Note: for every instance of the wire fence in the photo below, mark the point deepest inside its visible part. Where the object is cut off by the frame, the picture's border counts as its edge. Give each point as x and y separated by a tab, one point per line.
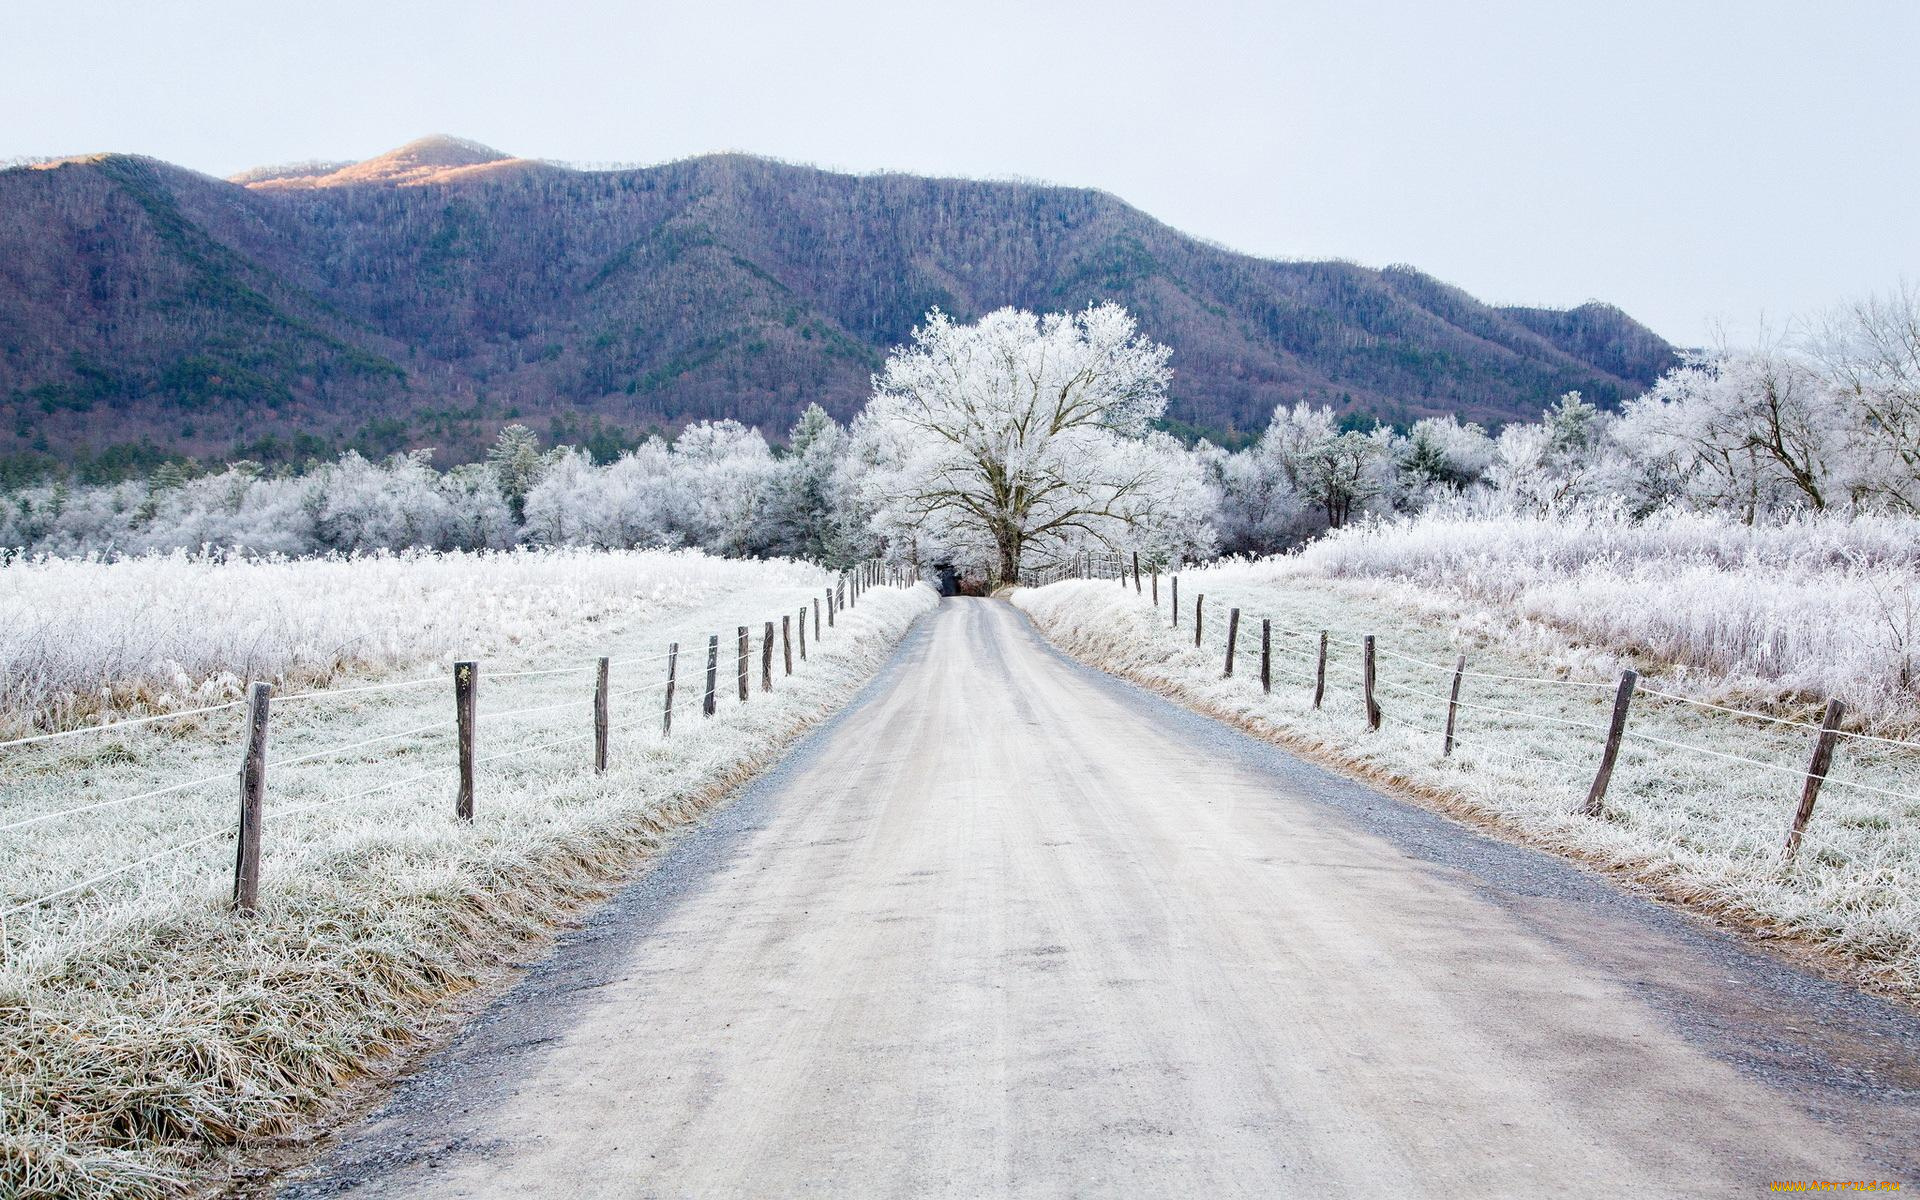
681	687
1595	714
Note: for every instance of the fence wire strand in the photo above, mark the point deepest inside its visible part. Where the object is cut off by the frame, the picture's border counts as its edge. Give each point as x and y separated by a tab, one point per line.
87	808
126	724
117	871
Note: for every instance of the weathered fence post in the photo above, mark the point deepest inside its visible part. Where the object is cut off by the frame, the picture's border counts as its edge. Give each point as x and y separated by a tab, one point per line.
816	618
1176	601
746	651
1156	588
1616	729
766	659
466	689
829	608
1136	572
1320	672
786	641
666	709
1816	775
713	673
1366	676
601	724
1233	636
1199	616
253	793
803	633
1266	655
1453	703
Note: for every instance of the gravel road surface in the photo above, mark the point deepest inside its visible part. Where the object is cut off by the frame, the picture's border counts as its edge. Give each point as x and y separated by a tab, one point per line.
1009	926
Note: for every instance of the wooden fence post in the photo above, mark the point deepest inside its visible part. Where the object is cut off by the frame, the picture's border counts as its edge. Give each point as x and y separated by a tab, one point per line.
1233	636
666	709
600	717
746	651
766	659
829	608
803	633
1816	775
1156	589
466	689
1136	572
1320	672
1176	601
786	641
253	793
1453	703
1266	655
1616	729
1199	616
1366	676
713	672
816	618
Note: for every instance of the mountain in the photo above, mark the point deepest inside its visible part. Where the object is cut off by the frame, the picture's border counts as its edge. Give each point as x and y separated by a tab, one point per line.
424	297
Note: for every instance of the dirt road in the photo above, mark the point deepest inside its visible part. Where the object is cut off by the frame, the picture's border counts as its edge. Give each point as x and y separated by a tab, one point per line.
1007	926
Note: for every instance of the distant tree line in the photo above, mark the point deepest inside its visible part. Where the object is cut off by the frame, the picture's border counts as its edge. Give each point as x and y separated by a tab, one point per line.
943	458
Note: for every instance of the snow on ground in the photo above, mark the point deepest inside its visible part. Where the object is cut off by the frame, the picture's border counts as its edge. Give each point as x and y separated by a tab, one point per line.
1698	826
141	1024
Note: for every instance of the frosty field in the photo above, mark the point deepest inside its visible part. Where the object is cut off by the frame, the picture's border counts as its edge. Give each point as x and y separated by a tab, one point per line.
145	1027
1700	801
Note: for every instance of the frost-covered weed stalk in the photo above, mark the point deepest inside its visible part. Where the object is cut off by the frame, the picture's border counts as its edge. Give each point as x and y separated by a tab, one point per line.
90	640
145	1033
1699	826
1785	614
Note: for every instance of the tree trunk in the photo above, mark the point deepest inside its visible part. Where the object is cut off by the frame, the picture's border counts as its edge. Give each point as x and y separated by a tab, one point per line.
1009	560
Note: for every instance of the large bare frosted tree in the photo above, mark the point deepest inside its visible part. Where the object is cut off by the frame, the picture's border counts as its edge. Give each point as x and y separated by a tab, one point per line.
1022	434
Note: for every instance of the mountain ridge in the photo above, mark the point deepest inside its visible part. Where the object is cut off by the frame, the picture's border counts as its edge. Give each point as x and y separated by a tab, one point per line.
427	295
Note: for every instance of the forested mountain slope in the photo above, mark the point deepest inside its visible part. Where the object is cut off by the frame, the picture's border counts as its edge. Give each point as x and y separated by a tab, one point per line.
423	297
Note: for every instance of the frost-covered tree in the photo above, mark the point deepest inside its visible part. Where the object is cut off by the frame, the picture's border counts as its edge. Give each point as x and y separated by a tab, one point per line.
1444	455
479	516
1870	352
1262	507
1568	457
1750	432
359	505
1340	473
803	491
518	464
722	471
1018	435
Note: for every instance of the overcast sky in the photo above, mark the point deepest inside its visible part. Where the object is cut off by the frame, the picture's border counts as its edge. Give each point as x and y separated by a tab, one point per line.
1696	163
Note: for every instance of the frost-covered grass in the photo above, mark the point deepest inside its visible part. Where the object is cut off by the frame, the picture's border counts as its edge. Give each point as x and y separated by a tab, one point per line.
88	640
1770	614
1699	827
147	1037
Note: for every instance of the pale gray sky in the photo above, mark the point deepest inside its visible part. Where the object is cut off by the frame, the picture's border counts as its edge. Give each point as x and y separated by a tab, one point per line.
1694	162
